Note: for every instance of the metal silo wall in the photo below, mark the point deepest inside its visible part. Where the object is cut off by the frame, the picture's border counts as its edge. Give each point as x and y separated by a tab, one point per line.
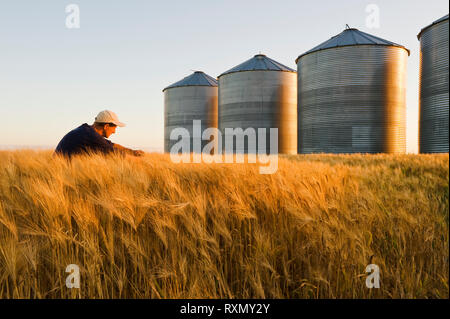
352	100
260	99
182	105
434	102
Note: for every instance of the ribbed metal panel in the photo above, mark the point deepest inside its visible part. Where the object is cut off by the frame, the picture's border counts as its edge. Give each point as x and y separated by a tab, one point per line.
434	100
182	105
352	99
260	99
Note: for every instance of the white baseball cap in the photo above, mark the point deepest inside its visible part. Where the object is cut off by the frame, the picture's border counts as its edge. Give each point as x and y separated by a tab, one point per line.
107	116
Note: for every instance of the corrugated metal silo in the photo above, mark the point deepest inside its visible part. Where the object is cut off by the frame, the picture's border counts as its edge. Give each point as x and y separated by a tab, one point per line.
433	100
192	98
260	93
352	95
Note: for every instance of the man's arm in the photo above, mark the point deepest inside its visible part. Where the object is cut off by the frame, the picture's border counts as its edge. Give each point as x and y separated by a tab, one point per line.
129	151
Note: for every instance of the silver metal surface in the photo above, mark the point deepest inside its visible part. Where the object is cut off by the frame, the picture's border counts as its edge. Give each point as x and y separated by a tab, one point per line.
434	100
432	24
350	37
259	62
260	99
198	78
183	104
352	99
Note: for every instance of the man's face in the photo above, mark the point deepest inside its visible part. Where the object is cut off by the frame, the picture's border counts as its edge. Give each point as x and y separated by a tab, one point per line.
109	129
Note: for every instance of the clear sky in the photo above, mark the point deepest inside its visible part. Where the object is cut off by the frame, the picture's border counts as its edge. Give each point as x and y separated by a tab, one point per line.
53	78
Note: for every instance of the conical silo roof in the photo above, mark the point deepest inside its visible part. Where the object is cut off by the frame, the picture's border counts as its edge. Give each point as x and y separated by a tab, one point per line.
435	22
259	62
198	78
349	37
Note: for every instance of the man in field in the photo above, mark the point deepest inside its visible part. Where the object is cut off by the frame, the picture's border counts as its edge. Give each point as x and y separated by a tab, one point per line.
93	138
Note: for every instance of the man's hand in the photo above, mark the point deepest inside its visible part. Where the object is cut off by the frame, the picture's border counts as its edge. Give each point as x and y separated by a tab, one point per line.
138	153
129	151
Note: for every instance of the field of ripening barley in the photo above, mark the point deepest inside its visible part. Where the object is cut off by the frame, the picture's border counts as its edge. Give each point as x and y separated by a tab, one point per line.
149	228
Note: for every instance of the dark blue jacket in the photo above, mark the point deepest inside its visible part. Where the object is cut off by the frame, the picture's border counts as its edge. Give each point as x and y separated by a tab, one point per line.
83	139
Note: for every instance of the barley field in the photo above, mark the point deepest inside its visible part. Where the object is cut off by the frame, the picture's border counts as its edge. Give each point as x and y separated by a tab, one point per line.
149	228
